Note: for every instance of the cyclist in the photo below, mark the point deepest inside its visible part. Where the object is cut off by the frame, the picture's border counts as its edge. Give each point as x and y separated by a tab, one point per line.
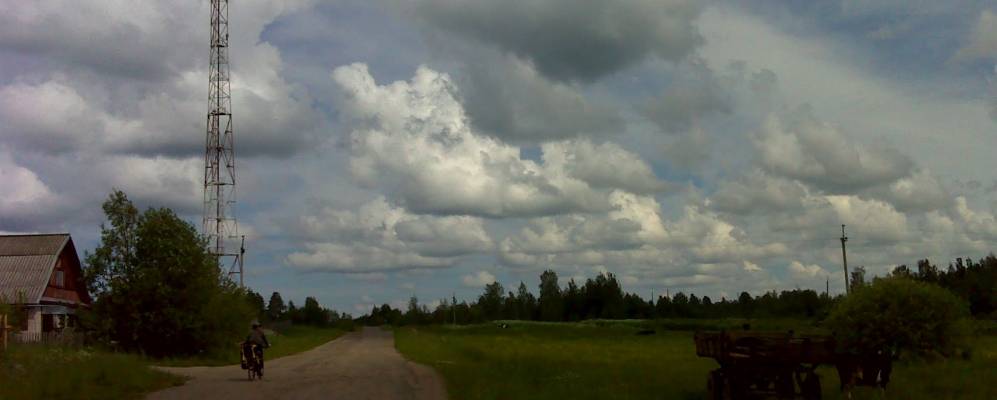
258	338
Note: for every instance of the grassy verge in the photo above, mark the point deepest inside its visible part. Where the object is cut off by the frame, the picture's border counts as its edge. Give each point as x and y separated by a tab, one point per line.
42	372
290	341
610	361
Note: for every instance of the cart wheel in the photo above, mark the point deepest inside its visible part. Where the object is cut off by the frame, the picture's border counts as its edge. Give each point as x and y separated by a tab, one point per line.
714	390
810	388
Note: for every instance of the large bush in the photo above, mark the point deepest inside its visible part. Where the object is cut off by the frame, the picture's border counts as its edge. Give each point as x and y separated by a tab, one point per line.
157	288
900	315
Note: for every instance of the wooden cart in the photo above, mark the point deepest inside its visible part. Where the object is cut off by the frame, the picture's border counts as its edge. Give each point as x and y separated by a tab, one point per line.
756	365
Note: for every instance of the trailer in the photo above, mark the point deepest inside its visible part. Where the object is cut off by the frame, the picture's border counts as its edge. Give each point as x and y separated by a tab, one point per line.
758	365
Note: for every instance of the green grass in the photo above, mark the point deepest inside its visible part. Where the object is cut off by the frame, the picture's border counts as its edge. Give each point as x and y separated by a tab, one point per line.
42	372
607	360
289	341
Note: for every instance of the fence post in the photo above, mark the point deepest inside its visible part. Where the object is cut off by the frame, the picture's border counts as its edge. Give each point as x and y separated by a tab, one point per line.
3	330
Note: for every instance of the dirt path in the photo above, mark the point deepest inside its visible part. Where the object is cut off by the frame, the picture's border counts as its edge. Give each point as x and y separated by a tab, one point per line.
359	365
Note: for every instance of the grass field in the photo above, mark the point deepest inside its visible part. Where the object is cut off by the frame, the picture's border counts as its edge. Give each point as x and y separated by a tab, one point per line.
608	360
289	341
51	372
41	372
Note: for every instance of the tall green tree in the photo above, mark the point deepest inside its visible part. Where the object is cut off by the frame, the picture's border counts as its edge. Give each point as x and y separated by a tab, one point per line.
313	313
551	301
157	288
276	307
115	258
491	301
526	302
256	303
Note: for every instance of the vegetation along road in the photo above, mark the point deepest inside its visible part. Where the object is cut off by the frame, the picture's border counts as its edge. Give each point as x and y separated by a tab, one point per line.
359	365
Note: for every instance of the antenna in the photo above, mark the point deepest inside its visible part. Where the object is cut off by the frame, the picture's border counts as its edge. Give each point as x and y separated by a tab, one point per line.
219	224
844	257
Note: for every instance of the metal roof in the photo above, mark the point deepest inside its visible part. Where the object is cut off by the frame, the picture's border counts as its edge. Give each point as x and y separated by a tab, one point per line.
26	263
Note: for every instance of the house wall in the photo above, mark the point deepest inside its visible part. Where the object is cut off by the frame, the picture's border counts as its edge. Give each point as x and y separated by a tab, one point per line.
71	286
34	320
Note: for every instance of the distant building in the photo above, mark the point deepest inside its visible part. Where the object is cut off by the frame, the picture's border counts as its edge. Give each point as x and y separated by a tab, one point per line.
42	277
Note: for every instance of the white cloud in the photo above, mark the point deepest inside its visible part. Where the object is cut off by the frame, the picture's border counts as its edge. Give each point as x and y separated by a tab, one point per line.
381	237
801	147
801	271
479	279
24	197
633	235
750	266
413	140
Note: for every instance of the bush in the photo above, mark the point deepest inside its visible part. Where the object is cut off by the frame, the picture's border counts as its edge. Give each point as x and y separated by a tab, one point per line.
899	315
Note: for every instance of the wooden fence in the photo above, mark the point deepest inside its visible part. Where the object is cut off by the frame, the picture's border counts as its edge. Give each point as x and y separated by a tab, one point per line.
64	338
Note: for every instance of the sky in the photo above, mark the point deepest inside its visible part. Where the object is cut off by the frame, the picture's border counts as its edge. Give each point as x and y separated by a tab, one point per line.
388	149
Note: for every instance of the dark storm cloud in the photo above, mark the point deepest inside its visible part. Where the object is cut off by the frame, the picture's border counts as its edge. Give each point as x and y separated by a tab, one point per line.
508	99
691	97
573	40
114	41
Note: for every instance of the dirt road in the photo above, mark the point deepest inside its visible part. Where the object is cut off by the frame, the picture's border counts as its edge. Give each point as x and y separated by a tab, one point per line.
359	365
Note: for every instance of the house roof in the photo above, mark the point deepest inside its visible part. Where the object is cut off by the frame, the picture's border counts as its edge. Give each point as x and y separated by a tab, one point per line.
26	263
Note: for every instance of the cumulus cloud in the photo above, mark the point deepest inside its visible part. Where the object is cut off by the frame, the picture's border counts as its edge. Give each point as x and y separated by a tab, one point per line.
507	98
692	96
77	100
382	237
634	234
52	117
801	147
603	166
569	40
479	279
758	192
982	41
413	140
25	197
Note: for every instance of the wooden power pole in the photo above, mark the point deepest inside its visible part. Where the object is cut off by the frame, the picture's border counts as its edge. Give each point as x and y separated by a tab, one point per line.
844	257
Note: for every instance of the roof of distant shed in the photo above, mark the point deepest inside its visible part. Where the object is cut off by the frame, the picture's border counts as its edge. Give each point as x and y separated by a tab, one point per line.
26	263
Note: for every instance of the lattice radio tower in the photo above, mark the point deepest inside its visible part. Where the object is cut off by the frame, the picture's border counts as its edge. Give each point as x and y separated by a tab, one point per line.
219	224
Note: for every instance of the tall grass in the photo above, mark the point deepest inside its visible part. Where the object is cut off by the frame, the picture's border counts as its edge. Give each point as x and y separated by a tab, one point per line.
601	360
48	372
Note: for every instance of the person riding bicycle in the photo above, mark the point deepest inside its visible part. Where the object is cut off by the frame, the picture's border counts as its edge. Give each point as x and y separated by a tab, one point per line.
258	338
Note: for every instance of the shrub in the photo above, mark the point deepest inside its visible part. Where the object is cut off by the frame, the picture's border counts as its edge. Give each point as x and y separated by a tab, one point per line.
898	315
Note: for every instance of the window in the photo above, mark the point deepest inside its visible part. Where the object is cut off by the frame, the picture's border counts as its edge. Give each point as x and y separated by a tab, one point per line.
60	279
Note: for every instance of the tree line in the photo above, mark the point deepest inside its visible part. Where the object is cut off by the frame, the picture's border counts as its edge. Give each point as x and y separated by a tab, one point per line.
312	313
602	297
973	282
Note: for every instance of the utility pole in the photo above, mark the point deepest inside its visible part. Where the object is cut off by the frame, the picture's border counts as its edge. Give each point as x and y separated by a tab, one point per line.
844	257
219	224
454	308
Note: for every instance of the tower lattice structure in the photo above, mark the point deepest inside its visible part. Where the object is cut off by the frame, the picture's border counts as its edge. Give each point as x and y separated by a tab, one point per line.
219	224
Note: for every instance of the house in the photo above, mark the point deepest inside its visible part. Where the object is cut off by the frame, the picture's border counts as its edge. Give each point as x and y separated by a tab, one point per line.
42	277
